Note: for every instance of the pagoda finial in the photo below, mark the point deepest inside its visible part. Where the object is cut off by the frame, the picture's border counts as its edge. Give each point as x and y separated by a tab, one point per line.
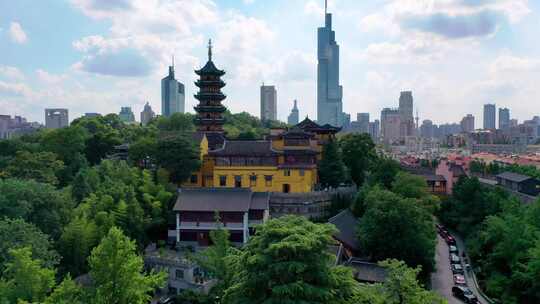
210	50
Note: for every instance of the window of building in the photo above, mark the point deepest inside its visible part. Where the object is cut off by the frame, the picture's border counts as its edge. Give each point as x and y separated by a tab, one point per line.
223	180
253	180
193	179
179	274
268	180
302	172
287	172
286	188
238	181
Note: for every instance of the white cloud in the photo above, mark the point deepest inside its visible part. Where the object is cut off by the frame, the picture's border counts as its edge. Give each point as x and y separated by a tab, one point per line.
11	73
49	78
14	89
17	34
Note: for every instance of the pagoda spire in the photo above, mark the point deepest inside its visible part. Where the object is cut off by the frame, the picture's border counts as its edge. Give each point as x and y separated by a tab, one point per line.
210	50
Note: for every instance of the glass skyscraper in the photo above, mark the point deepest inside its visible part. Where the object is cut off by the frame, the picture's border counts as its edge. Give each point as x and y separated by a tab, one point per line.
173	97
329	91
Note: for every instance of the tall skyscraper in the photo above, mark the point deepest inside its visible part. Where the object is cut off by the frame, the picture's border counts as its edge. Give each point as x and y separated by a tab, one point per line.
126	115
390	125
427	129
504	118
406	114
363	122
56	118
268	102
467	123
147	114
173	95
490	113
329	91
294	117
373	129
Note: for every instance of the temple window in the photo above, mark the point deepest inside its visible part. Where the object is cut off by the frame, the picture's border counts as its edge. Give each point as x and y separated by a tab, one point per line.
268	180
193	179
238	181
253	180
287	172
223	180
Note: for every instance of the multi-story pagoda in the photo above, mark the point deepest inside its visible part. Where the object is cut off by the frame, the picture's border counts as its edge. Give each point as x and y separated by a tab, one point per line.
210	110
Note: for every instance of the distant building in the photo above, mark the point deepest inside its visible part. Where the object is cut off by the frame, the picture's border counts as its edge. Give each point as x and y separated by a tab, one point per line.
390	125
268	103
426	129
490	116
363	122
173	95
467	123
504	118
374	130
91	115
294	117
126	115
5	121
329	91
56	118
147	114
406	114
514	122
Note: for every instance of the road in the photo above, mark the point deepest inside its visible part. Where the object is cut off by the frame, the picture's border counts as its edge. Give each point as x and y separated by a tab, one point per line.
442	281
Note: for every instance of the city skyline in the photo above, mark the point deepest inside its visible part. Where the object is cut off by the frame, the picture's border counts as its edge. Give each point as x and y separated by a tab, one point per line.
96	65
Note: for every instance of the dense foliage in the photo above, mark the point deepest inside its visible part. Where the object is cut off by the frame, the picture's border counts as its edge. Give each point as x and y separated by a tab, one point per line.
358	151
482	168
332	170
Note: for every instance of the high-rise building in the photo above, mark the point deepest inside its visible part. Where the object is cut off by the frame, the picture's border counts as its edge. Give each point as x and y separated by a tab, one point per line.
427	129
514	122
5	121
504	118
363	122
56	118
294	117
390	125
329	91
147	114
490	113
126	115
173	95
406	112
467	123
373	130
268	103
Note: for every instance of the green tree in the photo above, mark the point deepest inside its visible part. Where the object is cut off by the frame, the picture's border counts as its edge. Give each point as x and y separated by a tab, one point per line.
359	153
142	149
411	222
415	187
16	233
117	272
25	278
287	261
102	137
67	292
179	155
383	172
76	243
331	167
41	166
41	204
178	122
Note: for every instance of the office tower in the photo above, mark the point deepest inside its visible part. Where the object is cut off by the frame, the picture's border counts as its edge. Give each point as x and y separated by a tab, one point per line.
373	130
406	114
268	103
147	114
173	97
294	117
345	120
426	129
467	123
56	118
514	122
126	115
363	122
504	118
489	116
390	125
329	91
5	122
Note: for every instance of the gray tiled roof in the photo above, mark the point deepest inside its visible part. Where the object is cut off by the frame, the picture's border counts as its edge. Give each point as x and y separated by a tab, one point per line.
346	223
220	199
515	177
367	272
245	148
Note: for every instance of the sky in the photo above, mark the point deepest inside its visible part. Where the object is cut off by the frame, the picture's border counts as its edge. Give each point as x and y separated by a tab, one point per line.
99	55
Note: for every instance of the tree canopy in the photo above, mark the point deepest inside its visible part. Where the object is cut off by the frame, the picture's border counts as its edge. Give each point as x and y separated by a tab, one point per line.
331	169
359	154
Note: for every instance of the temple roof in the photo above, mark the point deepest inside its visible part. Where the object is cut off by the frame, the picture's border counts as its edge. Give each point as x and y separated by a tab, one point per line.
220	199
210	69
245	148
311	126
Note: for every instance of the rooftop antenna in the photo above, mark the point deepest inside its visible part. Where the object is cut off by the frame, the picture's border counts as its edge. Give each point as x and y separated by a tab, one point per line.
325	7
210	50
172	61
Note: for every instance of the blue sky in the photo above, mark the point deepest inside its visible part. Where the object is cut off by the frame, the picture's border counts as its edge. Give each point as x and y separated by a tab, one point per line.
99	55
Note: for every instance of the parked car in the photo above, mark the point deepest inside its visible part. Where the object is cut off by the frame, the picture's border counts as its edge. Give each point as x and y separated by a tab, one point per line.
465	294
455	259
166	300
450	240
457	269
459	279
453	249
